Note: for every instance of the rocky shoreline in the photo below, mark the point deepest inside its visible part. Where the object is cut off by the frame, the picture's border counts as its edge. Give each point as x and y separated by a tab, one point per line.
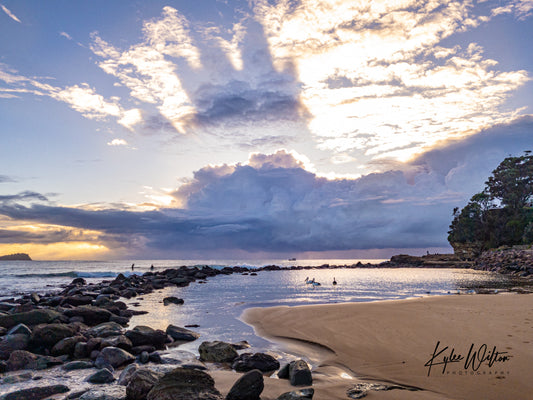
84	328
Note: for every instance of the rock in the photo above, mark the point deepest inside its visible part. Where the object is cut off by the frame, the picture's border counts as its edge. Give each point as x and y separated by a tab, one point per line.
101	376
139	349
35	393
80	350
21	359
300	374
217	352
74	365
126	374
141	382
91	315
144	357
304	394
248	387
46	336
77	300
66	346
119	341
20	329
283	373
248	361
243	344
13	342
10	379
30	318
116	357
155	357
181	334
3	366
78	282
144	335
185	384
172	300
105	329
109	393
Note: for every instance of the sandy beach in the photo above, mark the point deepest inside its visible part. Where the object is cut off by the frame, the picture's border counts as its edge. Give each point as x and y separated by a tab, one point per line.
486	339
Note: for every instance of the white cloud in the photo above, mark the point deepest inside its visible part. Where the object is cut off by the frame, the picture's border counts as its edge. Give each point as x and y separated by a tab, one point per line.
10	14
117	142
377	70
65	35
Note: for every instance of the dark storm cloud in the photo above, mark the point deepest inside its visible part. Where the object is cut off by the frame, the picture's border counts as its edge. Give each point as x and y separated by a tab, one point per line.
274	204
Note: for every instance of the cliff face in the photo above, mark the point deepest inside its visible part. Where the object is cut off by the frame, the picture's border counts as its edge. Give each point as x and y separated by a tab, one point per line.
16	257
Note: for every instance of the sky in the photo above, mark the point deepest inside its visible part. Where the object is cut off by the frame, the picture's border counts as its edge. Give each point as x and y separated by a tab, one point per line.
254	128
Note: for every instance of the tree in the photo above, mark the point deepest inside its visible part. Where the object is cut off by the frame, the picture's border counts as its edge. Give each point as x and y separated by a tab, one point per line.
502	213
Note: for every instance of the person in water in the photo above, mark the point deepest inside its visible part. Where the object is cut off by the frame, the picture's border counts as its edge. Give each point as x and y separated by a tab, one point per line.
132	266
334	281
152	267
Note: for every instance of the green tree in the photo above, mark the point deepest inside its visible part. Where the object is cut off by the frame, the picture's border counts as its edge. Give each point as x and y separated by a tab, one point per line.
502	213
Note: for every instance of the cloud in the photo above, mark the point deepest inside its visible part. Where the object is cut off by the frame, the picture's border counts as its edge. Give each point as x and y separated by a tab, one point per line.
65	35
202	78
5	178
81	98
10	14
380	72
275	203
23	196
117	142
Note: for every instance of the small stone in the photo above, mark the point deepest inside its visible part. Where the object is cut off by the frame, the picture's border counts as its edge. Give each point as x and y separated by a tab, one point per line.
217	352
181	334
172	300
77	365
35	393
304	394
101	376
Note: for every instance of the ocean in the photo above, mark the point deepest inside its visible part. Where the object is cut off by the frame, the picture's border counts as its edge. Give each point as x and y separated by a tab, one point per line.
217	305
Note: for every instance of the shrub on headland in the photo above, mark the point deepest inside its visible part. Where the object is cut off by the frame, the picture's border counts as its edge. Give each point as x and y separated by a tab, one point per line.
500	215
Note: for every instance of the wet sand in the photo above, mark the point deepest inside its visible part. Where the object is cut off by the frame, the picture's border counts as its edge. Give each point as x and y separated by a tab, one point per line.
394	341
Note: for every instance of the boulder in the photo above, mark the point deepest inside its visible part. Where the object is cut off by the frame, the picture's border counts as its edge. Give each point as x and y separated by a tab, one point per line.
78	300
35	393
181	334
172	300
48	335
248	387
304	394
91	315
30	318
74	365
185	384
105	329
66	346
13	342
116	357
248	361
217	352
144	335
126	374
300	374
20	329
101	376
119	341
109	393
141	382
21	359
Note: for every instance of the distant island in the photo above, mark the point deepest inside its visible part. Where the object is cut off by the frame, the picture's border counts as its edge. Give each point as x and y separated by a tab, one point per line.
16	257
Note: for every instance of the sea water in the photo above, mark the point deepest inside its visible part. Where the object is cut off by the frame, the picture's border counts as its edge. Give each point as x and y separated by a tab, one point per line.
215	307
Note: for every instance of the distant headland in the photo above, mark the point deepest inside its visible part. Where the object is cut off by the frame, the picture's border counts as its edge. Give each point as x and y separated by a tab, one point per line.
16	257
